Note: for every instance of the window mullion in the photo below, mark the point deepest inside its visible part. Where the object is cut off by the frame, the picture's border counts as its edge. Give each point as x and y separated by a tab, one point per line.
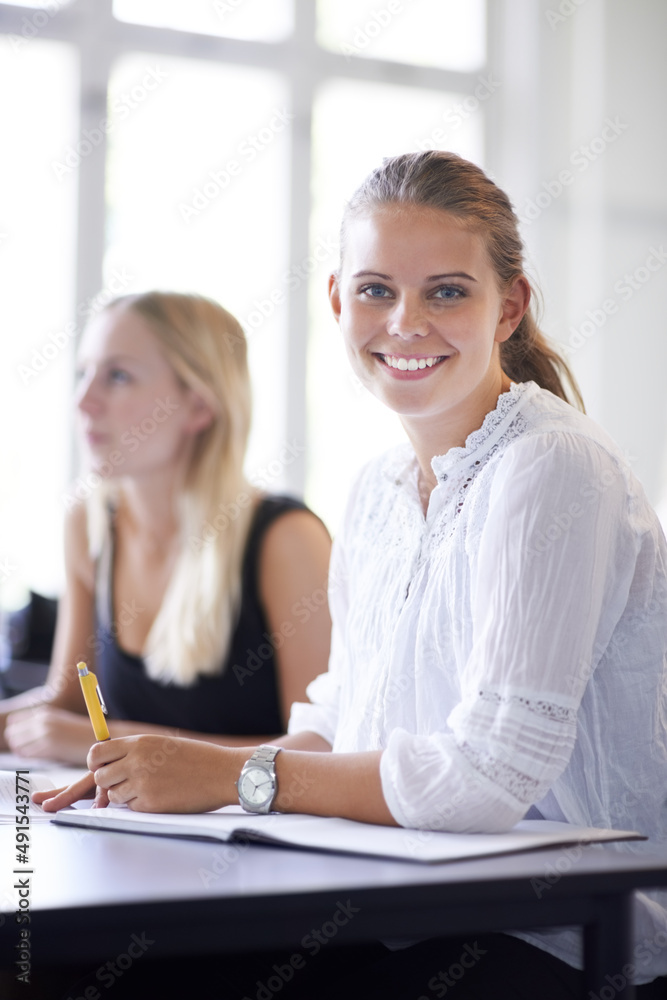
96	59
303	80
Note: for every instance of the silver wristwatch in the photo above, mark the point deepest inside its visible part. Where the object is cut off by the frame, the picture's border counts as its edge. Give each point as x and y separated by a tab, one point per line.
257	785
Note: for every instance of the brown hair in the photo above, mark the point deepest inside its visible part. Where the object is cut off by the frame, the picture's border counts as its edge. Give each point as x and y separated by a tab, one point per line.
445	181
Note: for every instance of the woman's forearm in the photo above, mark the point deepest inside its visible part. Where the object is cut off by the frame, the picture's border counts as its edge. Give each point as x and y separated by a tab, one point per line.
322	784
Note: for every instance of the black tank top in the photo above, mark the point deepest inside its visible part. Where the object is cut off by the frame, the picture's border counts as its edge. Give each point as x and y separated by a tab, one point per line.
237	701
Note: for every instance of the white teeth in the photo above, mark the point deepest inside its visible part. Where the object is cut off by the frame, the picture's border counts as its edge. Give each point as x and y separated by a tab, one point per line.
409	364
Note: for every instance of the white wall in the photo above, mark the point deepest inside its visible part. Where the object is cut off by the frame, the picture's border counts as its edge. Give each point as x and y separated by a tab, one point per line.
567	69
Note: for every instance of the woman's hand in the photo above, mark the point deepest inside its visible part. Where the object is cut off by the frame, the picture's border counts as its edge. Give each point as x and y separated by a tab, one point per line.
51	733
53	799
166	774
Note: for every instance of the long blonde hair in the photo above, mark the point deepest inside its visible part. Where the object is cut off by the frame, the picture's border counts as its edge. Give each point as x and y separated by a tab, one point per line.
206	347
446	181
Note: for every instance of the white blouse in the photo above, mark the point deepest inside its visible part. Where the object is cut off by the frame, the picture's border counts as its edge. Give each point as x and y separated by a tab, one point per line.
509	649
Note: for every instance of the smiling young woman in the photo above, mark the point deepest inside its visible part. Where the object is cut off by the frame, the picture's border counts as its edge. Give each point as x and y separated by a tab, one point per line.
499	590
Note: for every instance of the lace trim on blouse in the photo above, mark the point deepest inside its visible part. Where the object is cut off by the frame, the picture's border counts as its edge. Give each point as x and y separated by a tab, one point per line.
520	786
492	423
547	709
400	462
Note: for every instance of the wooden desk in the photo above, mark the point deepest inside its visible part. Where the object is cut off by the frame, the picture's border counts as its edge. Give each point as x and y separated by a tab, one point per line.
91	890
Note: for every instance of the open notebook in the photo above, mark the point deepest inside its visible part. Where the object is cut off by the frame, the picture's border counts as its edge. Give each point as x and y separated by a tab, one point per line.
340	835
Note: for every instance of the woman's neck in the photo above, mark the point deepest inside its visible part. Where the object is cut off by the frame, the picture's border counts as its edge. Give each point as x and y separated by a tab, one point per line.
147	510
431	437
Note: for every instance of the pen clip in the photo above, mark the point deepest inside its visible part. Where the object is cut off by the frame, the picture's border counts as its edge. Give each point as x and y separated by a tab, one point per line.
102	705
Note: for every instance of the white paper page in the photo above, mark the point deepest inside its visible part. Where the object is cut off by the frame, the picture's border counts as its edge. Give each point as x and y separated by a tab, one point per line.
37	782
8	792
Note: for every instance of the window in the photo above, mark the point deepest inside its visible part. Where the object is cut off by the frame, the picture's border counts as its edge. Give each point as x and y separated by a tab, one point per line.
191	179
38	119
206	147
449	34
261	20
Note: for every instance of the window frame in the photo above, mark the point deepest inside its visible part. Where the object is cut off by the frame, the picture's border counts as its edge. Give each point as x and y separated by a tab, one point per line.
99	38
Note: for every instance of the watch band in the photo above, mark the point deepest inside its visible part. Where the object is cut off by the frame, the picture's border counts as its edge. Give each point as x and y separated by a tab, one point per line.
264	754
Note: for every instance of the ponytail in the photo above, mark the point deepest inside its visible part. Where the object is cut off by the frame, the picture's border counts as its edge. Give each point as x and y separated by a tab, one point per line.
528	357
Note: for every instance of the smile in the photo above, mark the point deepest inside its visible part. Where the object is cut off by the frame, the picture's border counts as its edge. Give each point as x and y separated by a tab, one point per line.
410	364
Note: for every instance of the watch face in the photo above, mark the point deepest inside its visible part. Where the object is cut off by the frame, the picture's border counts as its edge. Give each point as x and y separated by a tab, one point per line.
256	786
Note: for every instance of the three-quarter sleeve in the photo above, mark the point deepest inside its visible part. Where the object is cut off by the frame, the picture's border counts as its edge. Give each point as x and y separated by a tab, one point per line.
550	575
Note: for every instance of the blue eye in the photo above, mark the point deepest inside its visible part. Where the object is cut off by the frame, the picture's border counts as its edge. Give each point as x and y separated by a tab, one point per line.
375	291
119	376
448	292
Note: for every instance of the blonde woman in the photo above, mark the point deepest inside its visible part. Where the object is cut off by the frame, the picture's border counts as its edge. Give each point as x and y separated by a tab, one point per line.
187	589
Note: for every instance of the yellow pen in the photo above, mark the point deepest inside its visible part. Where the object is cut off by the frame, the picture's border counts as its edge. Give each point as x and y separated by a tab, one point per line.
94	702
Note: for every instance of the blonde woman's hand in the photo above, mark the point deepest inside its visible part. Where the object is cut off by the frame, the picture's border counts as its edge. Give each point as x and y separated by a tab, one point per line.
51	733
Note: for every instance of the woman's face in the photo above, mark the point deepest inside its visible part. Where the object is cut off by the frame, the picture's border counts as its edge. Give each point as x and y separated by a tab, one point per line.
135	415
421	313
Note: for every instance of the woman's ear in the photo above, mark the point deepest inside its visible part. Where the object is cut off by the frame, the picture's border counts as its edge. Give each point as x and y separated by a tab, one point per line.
334	296
514	306
201	414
